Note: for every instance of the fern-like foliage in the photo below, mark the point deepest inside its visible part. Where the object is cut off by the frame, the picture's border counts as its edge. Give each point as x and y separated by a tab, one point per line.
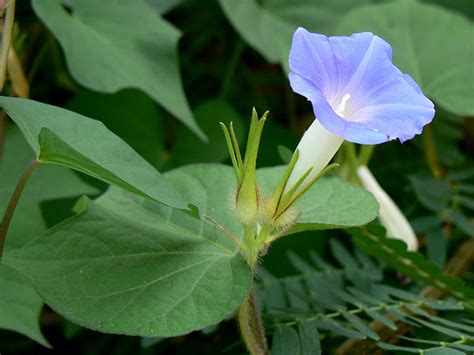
345	300
372	240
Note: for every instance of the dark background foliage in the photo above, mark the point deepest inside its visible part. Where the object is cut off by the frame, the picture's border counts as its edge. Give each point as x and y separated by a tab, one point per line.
223	78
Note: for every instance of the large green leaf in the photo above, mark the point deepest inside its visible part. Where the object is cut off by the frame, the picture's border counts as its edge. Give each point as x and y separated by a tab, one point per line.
415	31
65	138
131	266
112	45
268	27
20	305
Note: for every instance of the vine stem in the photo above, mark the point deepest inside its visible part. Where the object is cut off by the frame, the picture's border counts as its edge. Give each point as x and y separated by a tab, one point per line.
251	326
7	217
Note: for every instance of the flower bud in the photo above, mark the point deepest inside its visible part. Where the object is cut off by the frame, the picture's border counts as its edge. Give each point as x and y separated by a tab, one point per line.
390	215
247	198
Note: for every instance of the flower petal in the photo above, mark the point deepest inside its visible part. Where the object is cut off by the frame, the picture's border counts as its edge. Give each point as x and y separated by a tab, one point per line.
311	57
355	89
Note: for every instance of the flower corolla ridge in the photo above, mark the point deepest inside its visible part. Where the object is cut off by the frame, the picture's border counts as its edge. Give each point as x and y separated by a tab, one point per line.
356	91
357	95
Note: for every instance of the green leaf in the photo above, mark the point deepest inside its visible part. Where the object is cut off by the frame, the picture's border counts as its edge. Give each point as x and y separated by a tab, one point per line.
285	341
107	51
372	240
433	194
269	27
128	265
130	114
443	351
331	299
444	198
189	149
285	154
446	75
65	138
309	338
331	203
20	305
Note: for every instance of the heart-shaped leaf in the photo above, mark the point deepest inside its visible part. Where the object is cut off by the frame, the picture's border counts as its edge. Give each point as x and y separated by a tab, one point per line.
128	265
106	51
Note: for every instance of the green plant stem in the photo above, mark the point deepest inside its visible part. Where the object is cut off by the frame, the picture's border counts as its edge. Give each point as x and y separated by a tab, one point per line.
351	160
430	152
251	326
7	217
365	154
233	62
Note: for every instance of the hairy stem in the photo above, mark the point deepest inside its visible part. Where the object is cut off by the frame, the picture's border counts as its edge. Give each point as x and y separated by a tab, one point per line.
7	217
251	326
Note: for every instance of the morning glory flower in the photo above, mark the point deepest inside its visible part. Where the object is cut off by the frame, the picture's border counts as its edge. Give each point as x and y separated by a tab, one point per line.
357	95
390	216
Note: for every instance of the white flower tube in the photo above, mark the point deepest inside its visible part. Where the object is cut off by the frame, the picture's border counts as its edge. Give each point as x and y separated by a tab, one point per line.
316	148
390	215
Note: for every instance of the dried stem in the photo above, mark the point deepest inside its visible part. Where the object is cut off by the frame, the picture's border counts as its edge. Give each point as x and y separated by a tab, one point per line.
6	40
20	85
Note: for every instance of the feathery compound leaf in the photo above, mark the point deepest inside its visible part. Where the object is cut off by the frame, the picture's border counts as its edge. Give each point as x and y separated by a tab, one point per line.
372	240
325	298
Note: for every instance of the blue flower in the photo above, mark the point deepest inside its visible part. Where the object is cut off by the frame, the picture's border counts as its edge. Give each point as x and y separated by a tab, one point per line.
356	91
357	95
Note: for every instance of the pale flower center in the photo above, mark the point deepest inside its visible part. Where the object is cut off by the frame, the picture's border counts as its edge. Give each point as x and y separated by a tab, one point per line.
342	105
